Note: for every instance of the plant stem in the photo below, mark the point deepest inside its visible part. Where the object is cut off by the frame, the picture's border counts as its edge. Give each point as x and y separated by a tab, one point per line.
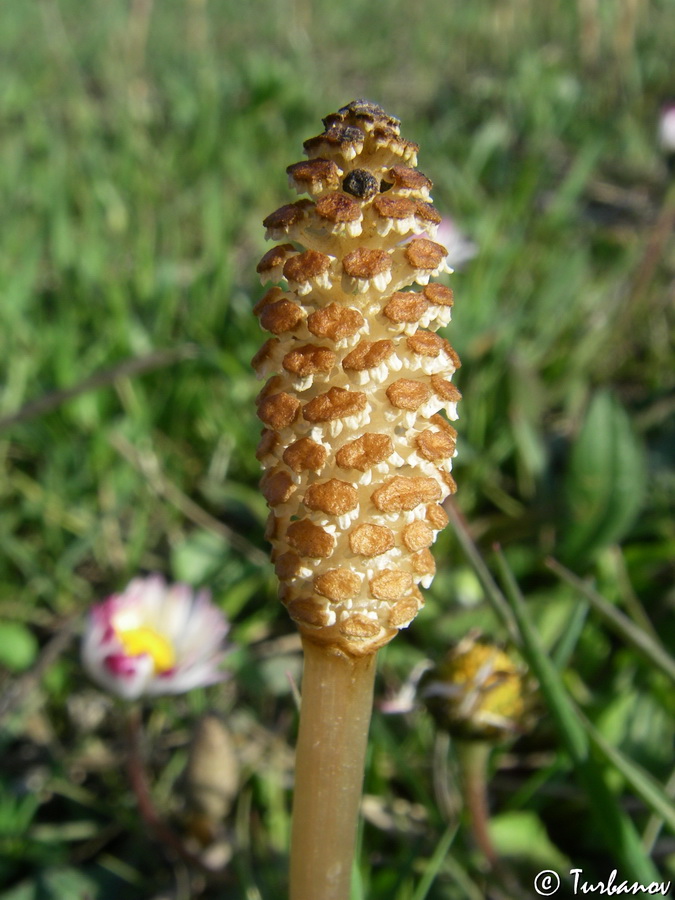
141	789
473	758
337	699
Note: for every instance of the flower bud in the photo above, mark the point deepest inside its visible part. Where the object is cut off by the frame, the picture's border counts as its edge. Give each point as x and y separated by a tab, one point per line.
357	457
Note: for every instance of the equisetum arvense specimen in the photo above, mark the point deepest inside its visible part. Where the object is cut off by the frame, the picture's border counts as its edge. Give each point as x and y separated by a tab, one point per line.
356	453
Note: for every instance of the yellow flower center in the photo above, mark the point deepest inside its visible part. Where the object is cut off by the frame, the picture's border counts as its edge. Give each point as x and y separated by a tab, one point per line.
141	640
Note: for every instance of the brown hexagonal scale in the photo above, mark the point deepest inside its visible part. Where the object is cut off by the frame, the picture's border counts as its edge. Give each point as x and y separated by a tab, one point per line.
405	492
310	539
315	174
367	355
438	294
422	253
271	386
271	527
403	612
287	565
307	265
365	264
364	452
425	212
337	403
438	420
417	535
371	540
426	343
405	178
289	215
437	516
334	497
335	322
444	389
394	207
454	358
337	584
449	481
264	354
386	138
309	360
391	584
277	486
275	257
305	454
405	306
268	443
405	393
339	137
271	296
279	410
433	445
423	562
338	207
281	317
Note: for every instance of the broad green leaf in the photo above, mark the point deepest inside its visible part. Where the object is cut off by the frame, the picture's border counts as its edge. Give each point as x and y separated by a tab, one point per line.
522	834
605	481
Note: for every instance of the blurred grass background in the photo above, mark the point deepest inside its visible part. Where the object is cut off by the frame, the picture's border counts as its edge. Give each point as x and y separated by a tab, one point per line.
142	144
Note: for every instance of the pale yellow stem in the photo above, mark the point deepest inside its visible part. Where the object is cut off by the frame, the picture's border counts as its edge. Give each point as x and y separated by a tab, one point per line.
337	700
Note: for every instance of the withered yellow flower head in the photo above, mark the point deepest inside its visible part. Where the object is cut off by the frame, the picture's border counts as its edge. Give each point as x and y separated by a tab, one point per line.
357	457
478	692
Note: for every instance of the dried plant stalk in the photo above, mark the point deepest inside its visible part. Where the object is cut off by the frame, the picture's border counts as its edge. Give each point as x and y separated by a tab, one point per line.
357	456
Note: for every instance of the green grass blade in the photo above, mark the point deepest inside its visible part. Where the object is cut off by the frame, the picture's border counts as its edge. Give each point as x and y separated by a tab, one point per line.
643	784
435	863
492	592
570	636
652	650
